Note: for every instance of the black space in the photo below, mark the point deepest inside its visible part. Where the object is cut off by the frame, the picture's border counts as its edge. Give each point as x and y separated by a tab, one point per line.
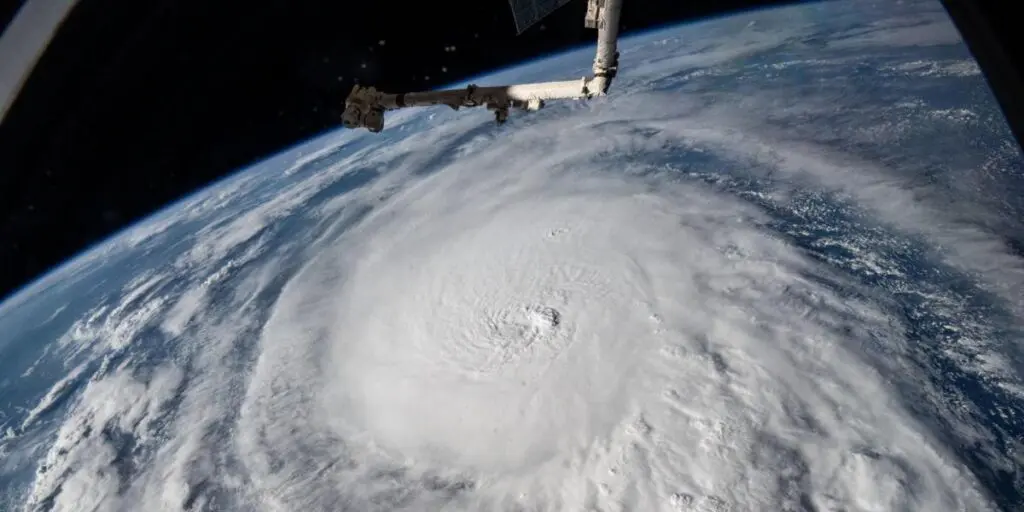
138	103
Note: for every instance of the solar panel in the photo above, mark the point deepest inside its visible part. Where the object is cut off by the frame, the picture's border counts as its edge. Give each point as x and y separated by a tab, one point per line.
528	12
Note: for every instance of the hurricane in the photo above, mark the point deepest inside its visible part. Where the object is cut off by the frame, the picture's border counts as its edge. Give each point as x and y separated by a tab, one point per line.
729	286
576	334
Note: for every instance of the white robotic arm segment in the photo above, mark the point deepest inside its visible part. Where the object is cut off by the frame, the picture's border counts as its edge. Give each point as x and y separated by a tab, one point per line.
606	61
365	106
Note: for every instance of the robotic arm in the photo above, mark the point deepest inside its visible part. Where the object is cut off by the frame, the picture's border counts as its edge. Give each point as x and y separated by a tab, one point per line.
365	106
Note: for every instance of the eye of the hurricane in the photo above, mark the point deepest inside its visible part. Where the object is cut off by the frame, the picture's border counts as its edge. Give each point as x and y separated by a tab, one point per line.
517	334
520	332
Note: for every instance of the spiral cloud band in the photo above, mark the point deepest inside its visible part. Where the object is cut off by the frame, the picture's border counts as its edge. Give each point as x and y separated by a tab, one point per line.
570	336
